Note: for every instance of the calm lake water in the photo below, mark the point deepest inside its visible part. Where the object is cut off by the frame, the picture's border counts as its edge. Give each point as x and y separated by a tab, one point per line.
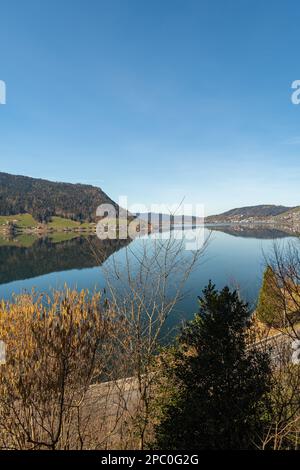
234	257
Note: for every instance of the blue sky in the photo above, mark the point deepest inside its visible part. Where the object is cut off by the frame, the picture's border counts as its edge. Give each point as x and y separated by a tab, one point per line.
157	100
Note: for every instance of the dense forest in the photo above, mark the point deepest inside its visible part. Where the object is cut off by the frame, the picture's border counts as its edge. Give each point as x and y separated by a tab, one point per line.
44	199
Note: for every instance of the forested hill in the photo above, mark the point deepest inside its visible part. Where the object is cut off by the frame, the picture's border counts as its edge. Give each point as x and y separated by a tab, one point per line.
261	211
43	199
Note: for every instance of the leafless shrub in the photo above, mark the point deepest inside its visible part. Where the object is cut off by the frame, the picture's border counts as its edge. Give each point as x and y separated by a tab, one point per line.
143	289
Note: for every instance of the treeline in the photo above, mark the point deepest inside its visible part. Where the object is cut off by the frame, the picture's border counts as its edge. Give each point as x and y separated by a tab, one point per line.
44	199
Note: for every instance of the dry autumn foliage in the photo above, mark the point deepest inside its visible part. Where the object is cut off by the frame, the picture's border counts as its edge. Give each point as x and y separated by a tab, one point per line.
56	349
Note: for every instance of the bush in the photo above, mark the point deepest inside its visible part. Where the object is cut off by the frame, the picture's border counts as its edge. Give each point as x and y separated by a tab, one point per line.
218	381
270	307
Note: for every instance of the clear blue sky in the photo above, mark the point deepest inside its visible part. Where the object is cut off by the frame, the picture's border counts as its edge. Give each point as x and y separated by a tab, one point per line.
154	99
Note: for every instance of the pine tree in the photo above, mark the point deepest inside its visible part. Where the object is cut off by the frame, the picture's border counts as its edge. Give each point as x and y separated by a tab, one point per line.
220	383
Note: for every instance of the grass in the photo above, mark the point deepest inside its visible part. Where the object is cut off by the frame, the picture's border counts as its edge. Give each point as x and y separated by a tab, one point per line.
61	223
26	221
87	226
58	237
59	229
24	240
58	224
21	220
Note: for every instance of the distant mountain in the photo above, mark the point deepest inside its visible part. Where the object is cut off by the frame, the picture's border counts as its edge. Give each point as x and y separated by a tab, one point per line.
163	219
258	213
249	212
43	199
292	215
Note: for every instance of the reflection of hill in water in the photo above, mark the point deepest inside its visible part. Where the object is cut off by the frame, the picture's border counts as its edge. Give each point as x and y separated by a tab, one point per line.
262	232
44	257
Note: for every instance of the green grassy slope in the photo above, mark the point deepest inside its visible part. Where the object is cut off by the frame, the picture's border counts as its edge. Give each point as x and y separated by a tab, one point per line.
26	221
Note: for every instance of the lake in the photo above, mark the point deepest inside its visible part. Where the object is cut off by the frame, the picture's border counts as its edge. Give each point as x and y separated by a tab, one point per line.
234	257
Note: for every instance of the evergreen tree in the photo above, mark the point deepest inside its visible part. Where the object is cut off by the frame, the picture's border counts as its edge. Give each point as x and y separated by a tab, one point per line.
268	307
220	382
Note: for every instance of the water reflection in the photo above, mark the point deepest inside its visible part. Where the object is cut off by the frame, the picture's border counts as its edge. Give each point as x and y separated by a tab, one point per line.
29	257
234	257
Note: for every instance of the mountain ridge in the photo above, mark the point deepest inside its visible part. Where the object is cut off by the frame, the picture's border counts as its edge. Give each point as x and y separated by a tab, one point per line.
269	212
43	198
251	212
